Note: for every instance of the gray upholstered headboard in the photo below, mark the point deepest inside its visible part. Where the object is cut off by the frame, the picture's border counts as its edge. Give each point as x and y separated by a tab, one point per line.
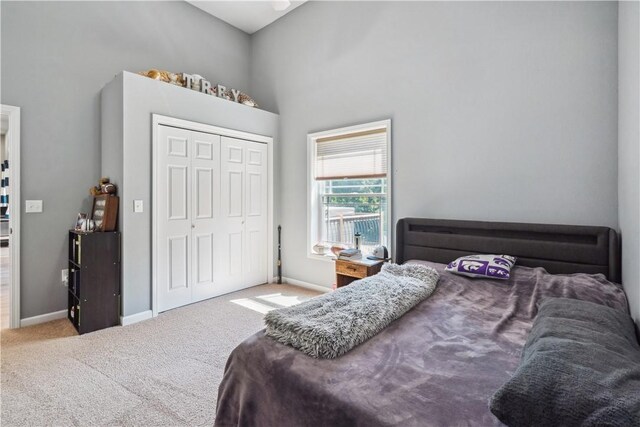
560	249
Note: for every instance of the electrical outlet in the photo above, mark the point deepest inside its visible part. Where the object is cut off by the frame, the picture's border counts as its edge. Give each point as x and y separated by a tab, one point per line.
138	206
65	277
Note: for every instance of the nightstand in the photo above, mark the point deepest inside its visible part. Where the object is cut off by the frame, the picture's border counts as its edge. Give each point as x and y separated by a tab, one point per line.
348	271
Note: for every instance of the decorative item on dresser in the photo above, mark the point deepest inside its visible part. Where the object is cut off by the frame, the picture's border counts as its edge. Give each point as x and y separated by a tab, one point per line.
105	212
94	280
349	271
82	217
105	186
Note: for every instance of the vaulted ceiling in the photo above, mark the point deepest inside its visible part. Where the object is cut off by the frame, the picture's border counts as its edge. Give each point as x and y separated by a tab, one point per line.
248	16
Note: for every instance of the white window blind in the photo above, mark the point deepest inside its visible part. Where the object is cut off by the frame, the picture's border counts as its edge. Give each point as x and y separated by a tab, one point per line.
353	155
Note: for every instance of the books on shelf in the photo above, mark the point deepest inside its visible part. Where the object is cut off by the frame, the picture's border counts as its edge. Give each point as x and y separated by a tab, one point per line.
350	254
351	258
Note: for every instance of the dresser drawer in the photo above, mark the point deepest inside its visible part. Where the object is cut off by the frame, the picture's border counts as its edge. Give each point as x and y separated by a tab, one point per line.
351	269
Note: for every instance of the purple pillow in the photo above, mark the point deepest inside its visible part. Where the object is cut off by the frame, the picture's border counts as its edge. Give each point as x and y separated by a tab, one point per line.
487	266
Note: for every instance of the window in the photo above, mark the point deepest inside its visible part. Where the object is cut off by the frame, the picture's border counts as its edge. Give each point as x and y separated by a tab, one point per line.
349	187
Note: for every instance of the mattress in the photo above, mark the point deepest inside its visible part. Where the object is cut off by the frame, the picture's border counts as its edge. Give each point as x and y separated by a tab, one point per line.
437	365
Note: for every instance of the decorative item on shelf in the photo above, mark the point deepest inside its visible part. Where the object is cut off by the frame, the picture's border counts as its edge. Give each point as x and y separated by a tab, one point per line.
245	99
82	217
108	188
337	248
350	254
200	84
103	187
87	225
164	76
105	212
319	249
234	95
380	253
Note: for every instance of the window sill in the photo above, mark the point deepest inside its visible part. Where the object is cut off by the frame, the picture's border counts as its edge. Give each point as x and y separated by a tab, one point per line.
325	258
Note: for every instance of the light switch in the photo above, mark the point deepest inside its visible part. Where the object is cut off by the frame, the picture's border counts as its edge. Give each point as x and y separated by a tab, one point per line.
33	206
138	207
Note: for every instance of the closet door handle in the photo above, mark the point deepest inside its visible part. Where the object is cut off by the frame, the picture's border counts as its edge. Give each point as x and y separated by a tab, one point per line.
193	226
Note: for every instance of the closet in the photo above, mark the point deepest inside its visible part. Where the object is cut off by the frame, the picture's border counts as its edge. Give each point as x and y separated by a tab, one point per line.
221	182
211	215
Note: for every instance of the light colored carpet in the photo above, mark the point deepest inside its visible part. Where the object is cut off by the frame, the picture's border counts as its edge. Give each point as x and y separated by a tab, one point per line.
161	372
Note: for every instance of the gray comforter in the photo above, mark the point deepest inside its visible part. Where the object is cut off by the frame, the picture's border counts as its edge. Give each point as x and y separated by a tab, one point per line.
437	365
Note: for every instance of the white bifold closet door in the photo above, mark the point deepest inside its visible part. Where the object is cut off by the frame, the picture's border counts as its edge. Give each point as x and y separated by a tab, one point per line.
212	216
243	216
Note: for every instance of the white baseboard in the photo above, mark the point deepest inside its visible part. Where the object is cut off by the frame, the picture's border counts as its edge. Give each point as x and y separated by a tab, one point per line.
135	318
307	285
43	318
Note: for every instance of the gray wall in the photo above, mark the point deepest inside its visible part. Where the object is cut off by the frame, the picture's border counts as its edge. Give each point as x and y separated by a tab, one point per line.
500	110
629	149
56	56
516	99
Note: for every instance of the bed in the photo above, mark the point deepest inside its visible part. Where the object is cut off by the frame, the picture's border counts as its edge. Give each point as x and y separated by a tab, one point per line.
440	363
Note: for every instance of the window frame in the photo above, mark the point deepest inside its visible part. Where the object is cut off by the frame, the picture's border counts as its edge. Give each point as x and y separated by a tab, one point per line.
313	199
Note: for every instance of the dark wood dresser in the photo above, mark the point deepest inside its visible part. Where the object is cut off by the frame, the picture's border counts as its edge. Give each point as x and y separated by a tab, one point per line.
94	280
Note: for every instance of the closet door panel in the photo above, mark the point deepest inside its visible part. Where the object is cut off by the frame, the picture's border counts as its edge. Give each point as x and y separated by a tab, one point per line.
178	263
236	256
232	213
205	170
174	217
212	212
177	192
203	192
256	214
203	260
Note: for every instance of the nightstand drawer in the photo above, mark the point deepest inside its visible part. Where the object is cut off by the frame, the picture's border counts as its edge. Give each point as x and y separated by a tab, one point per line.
351	269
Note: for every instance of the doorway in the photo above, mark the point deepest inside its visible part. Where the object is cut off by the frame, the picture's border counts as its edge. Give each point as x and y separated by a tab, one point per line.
9	216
